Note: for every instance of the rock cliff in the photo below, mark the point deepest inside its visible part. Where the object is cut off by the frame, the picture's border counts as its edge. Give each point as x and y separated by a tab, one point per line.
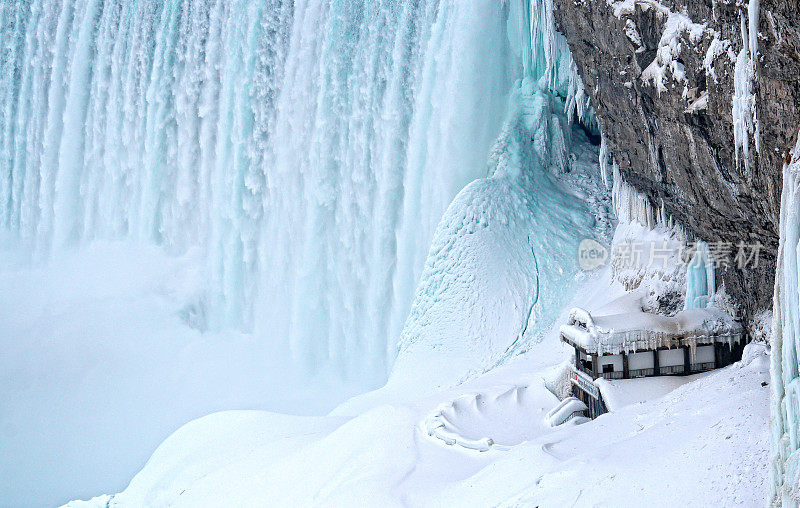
663	78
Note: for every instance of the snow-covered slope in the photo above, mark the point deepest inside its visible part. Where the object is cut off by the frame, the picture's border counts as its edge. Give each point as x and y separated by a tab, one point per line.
707	438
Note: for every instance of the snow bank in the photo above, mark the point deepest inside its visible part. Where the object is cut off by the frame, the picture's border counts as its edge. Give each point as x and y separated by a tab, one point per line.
619	393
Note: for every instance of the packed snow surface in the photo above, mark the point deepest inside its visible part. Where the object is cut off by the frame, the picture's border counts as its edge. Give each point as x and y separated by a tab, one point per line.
618	393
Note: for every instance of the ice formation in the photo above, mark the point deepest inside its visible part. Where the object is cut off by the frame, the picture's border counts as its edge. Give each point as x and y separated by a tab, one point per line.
785	409
632	206
745	119
547	59
700	278
503	259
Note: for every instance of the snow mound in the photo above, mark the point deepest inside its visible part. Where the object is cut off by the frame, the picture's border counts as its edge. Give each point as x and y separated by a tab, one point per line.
255	458
755	354
496	419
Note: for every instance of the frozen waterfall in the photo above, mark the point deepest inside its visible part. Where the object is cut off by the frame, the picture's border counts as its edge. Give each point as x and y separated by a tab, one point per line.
308	149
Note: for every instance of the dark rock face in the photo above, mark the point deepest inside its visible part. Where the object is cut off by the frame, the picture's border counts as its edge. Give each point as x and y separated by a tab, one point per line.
681	156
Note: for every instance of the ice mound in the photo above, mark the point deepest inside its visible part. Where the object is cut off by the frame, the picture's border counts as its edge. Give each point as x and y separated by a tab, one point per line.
503	260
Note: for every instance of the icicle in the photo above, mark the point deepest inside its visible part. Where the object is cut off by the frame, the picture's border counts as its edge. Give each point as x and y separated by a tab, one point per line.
745	118
605	162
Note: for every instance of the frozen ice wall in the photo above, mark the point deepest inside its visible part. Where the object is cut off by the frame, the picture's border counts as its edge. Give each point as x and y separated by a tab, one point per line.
785	411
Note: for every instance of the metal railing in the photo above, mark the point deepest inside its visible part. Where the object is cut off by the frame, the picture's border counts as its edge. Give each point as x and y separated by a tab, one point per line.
671	369
611	375
641	372
702	367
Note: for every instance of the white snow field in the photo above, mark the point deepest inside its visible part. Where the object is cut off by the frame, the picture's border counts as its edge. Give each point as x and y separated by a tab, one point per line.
705	443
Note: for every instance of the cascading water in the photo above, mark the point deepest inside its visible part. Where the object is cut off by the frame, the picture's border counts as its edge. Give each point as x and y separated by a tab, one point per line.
309	148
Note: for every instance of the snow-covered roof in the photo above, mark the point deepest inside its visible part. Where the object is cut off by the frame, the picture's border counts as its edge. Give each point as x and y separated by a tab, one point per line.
635	330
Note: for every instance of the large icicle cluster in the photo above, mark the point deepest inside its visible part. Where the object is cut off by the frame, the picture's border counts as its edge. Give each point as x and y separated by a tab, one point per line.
547	59
785	371
634	330
633	206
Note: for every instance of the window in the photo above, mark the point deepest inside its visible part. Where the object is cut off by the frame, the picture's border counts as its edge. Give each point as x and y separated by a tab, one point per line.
608	368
